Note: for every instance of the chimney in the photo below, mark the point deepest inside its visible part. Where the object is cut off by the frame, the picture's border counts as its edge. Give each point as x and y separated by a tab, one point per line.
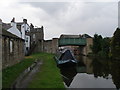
42	27
13	22
25	21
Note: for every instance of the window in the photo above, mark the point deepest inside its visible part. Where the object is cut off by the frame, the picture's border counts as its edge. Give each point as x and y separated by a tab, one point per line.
26	39
34	36
11	46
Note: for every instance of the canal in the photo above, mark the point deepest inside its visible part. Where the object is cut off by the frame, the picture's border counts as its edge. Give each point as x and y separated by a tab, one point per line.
92	73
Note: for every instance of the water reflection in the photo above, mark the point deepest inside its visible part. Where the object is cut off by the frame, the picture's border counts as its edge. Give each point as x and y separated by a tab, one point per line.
115	72
93	73
68	74
83	80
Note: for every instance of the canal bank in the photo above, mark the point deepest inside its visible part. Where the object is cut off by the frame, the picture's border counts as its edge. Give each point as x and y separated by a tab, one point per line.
48	75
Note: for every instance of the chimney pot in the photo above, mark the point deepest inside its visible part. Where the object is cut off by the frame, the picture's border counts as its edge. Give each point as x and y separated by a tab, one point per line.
25	21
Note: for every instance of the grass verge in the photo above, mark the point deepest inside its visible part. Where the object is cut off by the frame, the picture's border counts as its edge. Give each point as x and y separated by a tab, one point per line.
10	74
49	75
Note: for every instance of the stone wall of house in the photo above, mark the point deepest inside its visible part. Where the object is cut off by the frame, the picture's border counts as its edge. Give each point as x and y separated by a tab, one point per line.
11	57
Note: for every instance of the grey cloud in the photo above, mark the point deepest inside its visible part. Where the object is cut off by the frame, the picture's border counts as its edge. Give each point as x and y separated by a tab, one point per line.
49	7
78	18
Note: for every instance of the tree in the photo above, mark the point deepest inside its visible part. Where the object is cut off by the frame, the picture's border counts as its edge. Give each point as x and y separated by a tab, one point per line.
105	45
115	44
97	43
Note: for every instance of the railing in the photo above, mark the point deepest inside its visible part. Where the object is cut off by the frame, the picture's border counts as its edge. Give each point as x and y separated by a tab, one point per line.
72	41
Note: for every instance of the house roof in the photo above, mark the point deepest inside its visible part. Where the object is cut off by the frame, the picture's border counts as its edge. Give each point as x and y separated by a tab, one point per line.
8	34
6	26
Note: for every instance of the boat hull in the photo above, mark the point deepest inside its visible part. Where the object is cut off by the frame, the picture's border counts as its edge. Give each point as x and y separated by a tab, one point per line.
67	64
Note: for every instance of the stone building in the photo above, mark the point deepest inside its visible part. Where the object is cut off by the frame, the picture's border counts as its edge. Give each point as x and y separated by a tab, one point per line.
36	39
12	48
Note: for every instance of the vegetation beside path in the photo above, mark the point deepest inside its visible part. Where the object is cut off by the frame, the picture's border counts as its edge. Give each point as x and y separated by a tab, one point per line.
48	77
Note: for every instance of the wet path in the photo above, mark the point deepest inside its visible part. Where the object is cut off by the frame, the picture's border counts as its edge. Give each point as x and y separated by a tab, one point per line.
27	76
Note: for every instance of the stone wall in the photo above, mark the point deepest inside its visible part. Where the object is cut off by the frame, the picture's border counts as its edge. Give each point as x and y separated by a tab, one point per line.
11	57
89	44
51	46
39	47
87	48
48	46
12	49
54	45
0	44
36	39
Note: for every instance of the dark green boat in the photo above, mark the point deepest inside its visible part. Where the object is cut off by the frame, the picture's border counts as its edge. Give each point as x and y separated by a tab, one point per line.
66	59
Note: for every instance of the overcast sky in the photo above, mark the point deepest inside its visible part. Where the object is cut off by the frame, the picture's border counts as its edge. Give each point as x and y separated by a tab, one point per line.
65	17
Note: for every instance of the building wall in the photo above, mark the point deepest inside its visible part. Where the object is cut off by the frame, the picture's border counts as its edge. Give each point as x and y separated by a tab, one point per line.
89	43
25	29
87	48
11	57
51	46
0	44
12	48
54	45
37	39
48	46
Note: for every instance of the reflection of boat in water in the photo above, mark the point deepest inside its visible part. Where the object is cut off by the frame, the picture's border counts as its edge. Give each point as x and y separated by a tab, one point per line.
68	75
66	59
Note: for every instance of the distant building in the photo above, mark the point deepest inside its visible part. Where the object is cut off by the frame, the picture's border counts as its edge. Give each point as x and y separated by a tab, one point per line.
36	39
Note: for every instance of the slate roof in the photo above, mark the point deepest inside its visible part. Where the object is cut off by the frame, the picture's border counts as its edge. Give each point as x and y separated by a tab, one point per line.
6	26
8	34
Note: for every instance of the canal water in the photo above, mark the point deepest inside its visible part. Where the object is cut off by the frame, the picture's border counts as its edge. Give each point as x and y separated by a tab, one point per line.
92	73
